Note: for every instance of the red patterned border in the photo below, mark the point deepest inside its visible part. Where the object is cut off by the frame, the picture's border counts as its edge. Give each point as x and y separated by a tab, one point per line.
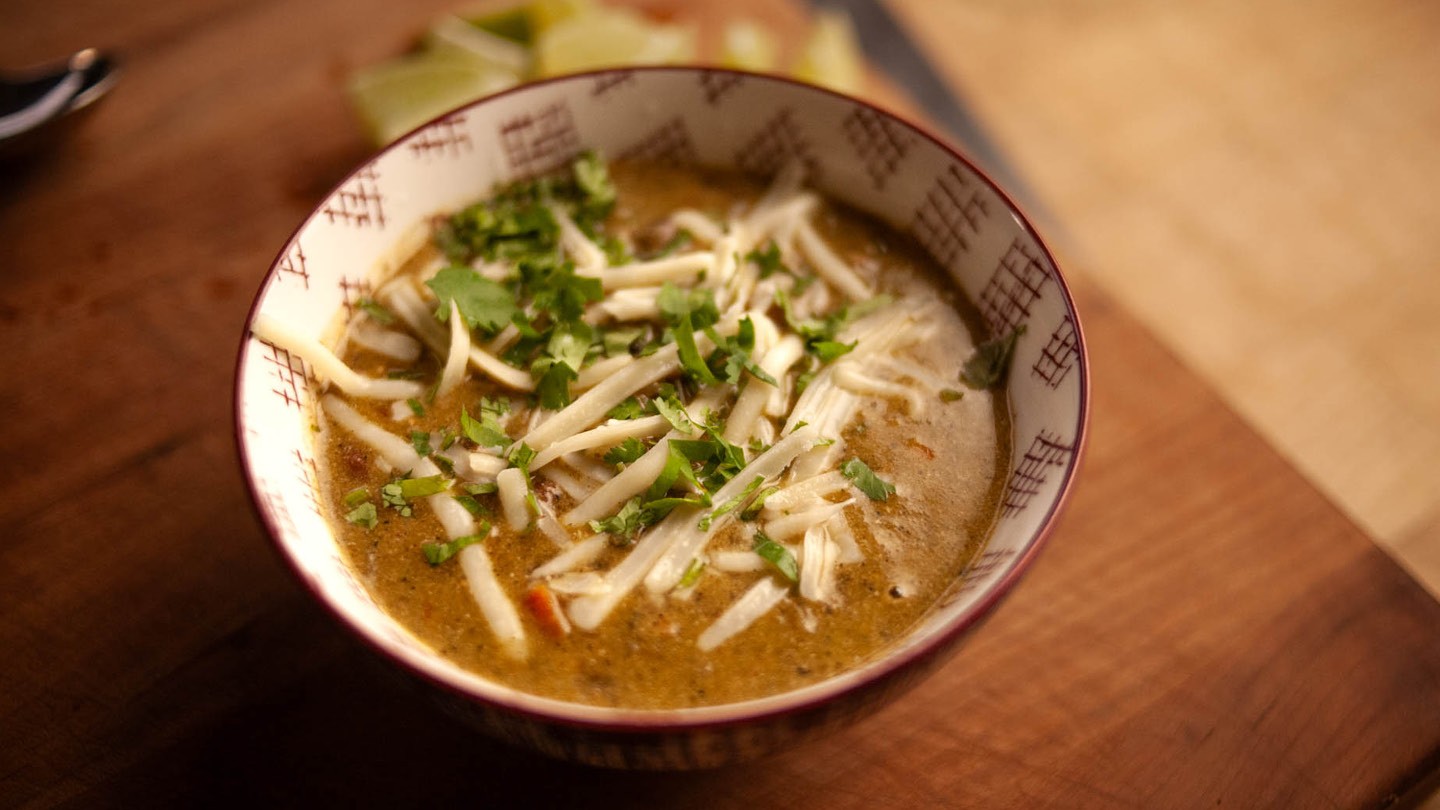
612	80
310	477
358	203
717	85
1046	450
292	265
290	374
537	142
351	291
669	143
986	563
445	138
774	145
1014	287
1059	354
881	142
950	216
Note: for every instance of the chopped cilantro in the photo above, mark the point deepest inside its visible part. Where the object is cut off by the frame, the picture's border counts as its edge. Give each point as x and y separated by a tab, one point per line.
680	239
363	515
677	468
828	350
866	480
436	553
597	193
411	488
471	505
819	333
778	556
692	573
445	464
615	342
483	303
736	353
374	310
483	488
394	498
623	525
950	394
520	458
415	406
768	260
629	409
626	452
686	311
730	505
486	432
988	366
564	355
673	410
753	510
420	440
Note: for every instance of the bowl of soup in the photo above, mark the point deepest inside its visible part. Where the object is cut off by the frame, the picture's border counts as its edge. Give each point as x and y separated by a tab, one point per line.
656	418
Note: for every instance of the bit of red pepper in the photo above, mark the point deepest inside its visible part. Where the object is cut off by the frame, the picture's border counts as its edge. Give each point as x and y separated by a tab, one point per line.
542	603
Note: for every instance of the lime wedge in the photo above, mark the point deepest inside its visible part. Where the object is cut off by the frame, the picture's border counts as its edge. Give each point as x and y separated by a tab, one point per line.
546	13
511	23
395	96
831	56
748	46
606	37
453	38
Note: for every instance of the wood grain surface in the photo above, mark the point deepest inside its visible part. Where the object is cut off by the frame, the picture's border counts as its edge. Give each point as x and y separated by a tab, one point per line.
1206	628
1255	181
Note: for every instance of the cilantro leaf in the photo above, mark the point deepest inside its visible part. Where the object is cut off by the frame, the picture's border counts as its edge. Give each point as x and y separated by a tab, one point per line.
697	303
866	480
828	350
420	440
626	452
753	510
520	458
730	505
692	573
436	553
485	432
680	239
767	260
471	505
374	310
736	353
411	488
677	468
597	193
778	556
363	515
988	366
671	408
623	525
629	409
483	303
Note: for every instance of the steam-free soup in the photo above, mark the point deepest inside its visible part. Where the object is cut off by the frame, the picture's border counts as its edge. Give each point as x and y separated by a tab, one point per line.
657	437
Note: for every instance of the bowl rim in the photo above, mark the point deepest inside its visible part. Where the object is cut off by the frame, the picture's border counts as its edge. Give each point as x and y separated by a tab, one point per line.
754	711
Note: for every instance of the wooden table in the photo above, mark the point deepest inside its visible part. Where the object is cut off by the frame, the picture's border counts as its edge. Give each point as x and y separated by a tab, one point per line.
1205	629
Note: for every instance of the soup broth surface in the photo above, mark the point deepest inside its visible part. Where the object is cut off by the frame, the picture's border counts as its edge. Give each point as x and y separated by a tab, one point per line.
946	460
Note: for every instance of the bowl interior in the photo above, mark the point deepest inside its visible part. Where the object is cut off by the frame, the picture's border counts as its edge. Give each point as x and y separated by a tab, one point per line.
852	151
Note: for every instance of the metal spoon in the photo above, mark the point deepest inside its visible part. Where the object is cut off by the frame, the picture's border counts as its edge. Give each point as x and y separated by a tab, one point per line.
33	102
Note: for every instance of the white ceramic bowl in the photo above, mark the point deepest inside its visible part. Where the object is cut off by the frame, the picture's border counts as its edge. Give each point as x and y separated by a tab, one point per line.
854	152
